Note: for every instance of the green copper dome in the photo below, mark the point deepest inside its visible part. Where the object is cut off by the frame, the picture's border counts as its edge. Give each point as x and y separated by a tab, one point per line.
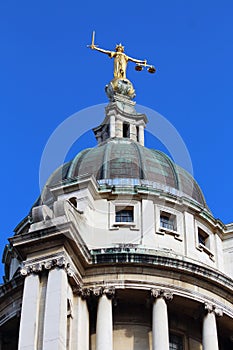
125	162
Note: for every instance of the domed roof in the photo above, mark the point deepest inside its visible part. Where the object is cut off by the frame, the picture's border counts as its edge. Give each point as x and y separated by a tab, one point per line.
126	162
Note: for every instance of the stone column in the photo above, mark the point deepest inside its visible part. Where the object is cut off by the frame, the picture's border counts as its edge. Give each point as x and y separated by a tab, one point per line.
80	332
119	128
133	132
141	134
112	130
160	331
28	331
104	324
55	320
209	328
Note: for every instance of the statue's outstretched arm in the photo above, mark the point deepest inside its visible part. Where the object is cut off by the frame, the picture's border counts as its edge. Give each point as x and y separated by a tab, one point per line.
107	52
137	61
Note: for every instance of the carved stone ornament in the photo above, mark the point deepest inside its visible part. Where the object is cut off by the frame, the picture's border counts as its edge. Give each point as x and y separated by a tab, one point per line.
109	292
48	265
84	293
161	293
76	289
37	267
213	308
97	291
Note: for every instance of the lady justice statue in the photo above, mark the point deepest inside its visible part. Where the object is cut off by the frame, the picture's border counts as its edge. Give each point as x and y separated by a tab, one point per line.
120	84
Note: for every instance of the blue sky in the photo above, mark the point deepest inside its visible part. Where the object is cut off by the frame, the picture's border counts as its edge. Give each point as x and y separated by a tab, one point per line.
47	74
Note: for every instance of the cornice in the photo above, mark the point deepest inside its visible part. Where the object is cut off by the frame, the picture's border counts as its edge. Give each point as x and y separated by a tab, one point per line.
185	266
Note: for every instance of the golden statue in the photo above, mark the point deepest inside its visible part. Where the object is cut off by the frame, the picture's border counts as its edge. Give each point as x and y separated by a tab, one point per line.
120	66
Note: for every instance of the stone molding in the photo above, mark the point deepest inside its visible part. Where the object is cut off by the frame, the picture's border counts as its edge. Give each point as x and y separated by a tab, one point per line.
162	293
213	308
161	259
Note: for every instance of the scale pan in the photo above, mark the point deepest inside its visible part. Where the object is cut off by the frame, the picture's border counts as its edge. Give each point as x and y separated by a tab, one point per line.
151	69
138	68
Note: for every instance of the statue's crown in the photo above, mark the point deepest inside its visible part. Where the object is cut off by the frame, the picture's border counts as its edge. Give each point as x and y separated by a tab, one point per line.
119	46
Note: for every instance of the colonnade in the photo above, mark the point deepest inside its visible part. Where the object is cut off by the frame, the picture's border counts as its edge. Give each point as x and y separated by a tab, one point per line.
54	333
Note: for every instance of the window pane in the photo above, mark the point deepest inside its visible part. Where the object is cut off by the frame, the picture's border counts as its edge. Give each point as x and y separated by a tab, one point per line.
202	237
176	342
167	222
125	215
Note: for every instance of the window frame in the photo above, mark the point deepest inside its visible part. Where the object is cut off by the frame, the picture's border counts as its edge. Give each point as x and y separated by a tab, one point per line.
123	210
170	224
124	204
178	231
203	233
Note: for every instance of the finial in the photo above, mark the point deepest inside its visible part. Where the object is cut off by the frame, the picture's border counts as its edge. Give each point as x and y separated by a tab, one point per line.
120	83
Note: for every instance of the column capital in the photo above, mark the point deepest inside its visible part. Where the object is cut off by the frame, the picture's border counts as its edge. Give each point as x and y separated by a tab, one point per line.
108	291
97	291
48	264
161	293
213	308
84	293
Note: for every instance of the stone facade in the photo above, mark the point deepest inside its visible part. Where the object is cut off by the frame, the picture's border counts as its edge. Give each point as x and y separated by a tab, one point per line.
128	265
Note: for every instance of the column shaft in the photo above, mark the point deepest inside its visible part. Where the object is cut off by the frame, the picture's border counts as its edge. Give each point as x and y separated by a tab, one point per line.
80	332
104	325
141	134
55	321
29	315
112	126
209	332
133	132
119	128
160	332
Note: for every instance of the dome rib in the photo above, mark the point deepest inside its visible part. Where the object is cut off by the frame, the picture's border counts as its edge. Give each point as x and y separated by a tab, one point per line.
105	168
171	164
141	170
76	162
